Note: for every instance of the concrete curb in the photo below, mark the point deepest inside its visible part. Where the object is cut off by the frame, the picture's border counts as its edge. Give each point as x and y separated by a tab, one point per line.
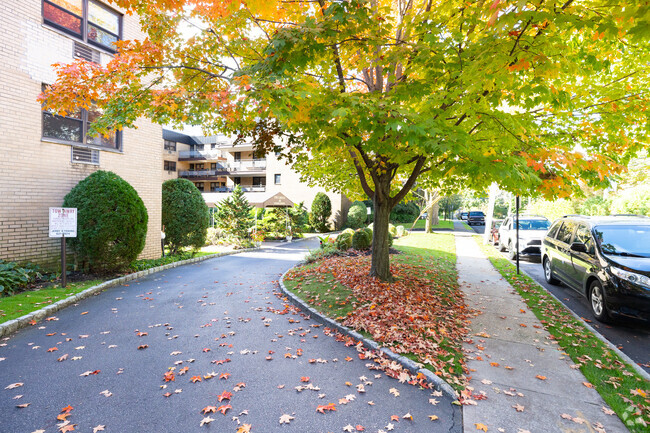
405	362
23	321
597	334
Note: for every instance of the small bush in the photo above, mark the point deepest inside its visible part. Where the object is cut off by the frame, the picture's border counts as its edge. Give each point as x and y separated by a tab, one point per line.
328	251
404	212
357	215
392	230
14	277
362	239
344	241
215	236
185	215
321	210
349	231
400	231
111	221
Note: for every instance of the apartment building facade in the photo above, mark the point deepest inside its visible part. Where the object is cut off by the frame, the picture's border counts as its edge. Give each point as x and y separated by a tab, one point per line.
215	165
46	155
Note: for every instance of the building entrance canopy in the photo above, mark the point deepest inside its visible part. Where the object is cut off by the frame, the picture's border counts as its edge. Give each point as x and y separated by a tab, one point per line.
275	200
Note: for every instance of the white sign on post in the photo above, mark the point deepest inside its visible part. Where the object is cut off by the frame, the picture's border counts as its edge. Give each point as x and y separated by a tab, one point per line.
63	222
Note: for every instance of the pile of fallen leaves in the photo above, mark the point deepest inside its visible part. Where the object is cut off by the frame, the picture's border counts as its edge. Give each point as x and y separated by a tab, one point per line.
421	313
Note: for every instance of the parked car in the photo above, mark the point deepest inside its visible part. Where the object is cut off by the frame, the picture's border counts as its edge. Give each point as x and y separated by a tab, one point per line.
463	216
606	259
532	229
494	231
475	217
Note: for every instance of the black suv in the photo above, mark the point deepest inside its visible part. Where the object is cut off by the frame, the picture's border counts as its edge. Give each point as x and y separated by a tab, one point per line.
606	259
475	217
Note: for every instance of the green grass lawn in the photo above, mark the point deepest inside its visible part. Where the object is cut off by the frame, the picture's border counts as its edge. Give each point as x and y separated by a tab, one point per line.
624	390
425	275
12	307
420	224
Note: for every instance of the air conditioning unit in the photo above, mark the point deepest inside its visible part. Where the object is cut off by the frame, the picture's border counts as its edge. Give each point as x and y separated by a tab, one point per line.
83	155
81	51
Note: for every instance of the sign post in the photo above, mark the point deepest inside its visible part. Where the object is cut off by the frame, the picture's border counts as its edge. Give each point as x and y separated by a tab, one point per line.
63	223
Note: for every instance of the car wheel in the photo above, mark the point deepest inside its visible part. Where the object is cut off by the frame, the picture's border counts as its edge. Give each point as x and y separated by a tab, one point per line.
597	302
502	246
548	272
512	254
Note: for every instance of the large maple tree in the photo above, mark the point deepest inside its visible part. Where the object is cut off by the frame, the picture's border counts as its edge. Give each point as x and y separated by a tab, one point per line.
372	95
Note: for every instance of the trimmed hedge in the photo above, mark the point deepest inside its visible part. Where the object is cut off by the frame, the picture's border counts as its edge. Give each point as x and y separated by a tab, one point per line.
357	215
185	216
362	239
344	241
321	210
111	221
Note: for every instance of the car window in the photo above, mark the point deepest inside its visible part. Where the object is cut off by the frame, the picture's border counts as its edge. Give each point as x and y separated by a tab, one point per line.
566	231
584	235
624	240
505	223
553	231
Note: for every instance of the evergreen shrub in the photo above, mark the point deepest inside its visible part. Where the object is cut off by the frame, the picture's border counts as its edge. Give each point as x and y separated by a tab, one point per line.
362	239
185	216
321	210
357	215
111	221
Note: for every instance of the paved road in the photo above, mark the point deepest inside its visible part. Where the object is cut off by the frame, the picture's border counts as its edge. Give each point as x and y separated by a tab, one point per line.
631	337
219	319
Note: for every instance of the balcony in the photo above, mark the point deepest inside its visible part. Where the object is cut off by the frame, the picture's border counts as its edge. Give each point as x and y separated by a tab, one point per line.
247	165
255	188
203	174
207	155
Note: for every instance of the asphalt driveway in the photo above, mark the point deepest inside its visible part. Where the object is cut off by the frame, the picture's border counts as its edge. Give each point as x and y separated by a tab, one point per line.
203	347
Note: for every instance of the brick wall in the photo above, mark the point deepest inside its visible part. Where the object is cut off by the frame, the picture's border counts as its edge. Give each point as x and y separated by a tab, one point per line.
37	174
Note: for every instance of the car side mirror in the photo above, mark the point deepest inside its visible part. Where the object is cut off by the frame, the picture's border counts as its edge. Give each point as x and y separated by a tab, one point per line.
578	247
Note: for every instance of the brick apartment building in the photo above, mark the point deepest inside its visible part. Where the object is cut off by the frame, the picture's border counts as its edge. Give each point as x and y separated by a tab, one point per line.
45	155
215	166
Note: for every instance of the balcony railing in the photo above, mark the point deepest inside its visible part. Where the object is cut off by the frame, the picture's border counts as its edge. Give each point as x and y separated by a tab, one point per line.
247	165
202	173
261	188
200	154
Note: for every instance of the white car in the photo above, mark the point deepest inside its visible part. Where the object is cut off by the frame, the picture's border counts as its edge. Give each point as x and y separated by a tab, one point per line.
532	229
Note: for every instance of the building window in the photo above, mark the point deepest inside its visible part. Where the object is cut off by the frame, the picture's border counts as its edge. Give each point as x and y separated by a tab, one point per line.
170	145
170	165
88	20
237	156
278	179
199	185
214	186
236	180
259	181
73	128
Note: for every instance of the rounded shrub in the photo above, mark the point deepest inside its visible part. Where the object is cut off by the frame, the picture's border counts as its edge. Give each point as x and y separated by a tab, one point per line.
344	241
321	210
185	216
361	240
357	215
349	231
399	230
392	230
111	221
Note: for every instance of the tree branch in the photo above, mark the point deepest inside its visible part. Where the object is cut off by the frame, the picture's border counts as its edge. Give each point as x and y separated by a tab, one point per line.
417	170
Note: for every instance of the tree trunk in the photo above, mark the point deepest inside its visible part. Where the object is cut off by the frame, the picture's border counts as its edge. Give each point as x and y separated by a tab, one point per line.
380	261
434	213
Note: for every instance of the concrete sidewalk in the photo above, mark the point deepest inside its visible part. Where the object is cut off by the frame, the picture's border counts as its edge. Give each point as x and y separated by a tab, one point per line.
524	383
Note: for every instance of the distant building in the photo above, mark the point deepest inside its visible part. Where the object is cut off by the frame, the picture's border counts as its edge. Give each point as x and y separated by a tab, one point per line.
44	155
216	165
